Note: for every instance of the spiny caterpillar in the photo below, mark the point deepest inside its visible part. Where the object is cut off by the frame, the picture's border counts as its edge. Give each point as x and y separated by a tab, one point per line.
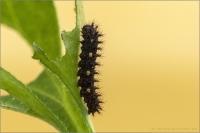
87	64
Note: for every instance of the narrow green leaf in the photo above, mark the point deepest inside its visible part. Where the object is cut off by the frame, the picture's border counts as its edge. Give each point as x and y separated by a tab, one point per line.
19	91
71	39
80	17
11	103
54	93
72	100
36	21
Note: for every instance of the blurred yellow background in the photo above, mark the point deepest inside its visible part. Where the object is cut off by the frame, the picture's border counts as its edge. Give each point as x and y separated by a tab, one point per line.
150	72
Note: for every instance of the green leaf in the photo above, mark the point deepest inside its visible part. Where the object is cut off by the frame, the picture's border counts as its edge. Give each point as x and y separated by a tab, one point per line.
36	21
71	39
65	69
25	95
54	95
11	103
50	89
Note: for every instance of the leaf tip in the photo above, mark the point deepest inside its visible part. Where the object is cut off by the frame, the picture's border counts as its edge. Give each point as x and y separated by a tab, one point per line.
37	51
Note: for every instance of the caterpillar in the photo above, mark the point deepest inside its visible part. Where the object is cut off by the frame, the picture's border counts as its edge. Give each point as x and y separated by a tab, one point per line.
87	67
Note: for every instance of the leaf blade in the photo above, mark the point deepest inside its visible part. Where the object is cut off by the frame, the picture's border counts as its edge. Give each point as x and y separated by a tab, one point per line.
68	78
11	103
66	67
66	112
19	91
37	22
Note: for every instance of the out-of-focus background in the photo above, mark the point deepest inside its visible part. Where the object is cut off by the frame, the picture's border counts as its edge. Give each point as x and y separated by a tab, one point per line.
150	72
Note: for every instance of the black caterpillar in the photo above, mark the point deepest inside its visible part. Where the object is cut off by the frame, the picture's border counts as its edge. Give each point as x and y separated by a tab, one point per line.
87	65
